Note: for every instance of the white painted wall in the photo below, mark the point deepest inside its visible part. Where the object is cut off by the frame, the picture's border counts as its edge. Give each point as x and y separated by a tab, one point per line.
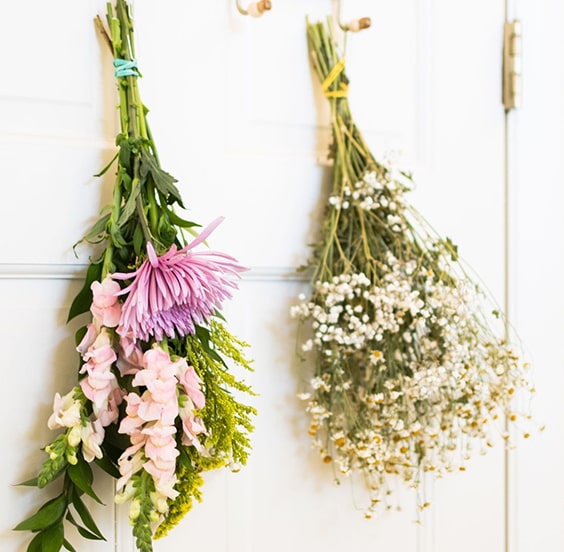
240	122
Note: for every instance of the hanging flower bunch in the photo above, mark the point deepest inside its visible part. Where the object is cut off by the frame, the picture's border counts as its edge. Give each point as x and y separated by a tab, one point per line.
409	376
154	405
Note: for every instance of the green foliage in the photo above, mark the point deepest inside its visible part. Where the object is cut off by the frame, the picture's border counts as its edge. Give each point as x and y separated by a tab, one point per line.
106	462
231	347
65	460
107	167
51	512
58	451
141	519
97	232
83	300
48	521
130	205
188	485
53	537
143	191
228	421
81	475
164	182
175	219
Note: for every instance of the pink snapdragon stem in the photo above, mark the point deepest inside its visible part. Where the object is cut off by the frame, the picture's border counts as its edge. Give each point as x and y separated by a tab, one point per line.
150	421
100	385
171	293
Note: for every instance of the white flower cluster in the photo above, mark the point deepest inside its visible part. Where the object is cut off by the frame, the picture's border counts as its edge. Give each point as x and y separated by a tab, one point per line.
384	194
407	381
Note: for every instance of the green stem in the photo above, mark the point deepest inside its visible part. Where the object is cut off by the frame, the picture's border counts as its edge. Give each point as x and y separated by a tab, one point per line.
153	207
140	110
151	141
124	119
143	219
108	265
133	111
132	108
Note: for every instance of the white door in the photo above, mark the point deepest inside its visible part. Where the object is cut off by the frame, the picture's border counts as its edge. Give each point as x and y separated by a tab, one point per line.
238	119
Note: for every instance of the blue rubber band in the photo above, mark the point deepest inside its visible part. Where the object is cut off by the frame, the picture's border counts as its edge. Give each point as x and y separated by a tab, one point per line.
125	68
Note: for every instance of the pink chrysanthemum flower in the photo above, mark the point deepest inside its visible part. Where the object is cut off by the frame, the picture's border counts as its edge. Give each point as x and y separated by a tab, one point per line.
172	293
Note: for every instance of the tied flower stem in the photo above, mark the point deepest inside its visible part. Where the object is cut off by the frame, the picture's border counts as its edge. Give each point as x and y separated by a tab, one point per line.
127	52
133	115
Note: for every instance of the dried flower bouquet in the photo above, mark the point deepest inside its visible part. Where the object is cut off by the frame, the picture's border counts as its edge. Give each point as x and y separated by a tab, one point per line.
409	376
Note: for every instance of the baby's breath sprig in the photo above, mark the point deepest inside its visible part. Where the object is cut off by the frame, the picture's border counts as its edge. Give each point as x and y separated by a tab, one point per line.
410	378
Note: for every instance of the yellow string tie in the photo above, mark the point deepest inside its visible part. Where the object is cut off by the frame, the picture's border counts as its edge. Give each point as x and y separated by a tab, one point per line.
342	91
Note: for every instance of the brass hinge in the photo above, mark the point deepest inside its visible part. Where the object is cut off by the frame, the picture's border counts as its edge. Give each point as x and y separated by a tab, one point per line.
512	48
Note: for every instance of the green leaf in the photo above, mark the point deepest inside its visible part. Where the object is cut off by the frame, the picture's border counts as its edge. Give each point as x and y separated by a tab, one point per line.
97	229
124	153
138	239
49	513
163	181
184	458
203	334
166	232
28	483
116	236
108	466
452	249
53	538
130	205
83	532
125	180
81	475
114	442
87	534
85	516
69	546
107	167
79	335
175	219
217	314
36	544
83	300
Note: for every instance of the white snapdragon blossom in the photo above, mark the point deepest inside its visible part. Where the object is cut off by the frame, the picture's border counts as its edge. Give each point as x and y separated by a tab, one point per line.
66	411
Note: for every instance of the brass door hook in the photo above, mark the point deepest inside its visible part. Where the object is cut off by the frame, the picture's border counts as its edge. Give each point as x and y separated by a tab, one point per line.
355	25
255	9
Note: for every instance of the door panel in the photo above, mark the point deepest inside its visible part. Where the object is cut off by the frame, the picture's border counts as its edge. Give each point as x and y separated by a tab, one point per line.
239	119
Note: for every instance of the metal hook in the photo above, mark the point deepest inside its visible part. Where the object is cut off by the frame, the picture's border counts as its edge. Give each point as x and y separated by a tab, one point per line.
355	25
255	9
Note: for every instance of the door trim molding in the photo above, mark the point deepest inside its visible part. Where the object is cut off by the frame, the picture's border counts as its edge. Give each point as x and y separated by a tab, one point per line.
52	271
